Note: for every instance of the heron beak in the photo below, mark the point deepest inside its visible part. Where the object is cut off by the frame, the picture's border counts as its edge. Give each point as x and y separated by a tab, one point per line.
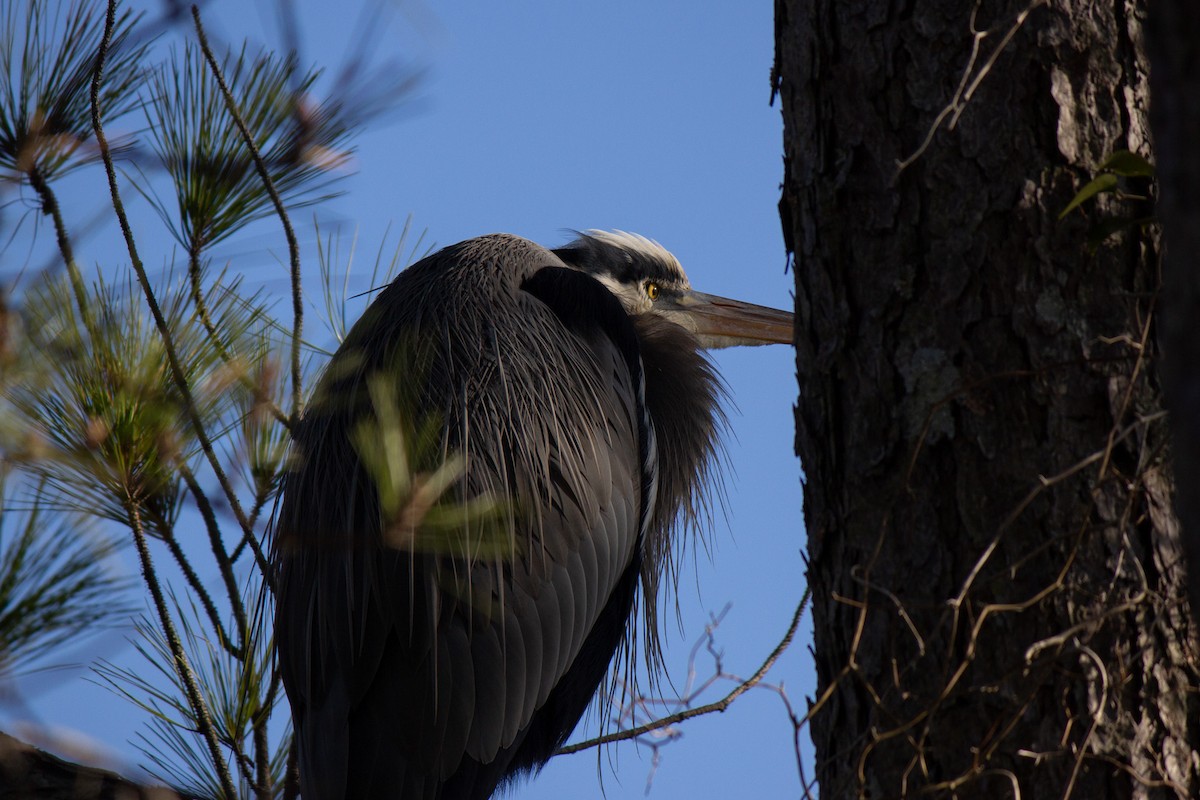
721	322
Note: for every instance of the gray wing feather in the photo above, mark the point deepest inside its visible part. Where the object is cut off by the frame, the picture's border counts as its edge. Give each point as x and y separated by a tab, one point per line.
576	590
518	703
455	676
550	619
530	626
490	710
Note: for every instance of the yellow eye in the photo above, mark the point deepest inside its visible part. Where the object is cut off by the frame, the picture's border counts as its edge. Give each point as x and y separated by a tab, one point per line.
652	290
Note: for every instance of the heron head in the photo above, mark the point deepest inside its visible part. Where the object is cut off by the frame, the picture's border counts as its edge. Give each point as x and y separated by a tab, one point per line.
648	279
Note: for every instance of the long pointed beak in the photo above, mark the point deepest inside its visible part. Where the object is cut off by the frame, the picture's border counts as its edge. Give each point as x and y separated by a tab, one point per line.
721	322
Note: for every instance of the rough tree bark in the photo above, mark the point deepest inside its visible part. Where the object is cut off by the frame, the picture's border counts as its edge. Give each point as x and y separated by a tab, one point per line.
1173	44
999	597
27	773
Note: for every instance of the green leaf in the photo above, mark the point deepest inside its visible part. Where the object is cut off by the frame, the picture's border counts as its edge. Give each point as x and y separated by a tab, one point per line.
1128	165
1105	182
418	486
1103	230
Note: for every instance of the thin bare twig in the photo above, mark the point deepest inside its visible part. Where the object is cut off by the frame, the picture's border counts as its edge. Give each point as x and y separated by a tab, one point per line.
183	669
201	304
970	80
50	206
177	374
221	556
265	177
206	602
719	705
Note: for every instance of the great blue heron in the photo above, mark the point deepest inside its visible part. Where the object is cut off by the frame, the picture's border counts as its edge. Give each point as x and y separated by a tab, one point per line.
570	383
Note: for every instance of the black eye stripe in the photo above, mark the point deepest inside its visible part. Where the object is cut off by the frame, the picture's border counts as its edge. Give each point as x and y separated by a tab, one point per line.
625	263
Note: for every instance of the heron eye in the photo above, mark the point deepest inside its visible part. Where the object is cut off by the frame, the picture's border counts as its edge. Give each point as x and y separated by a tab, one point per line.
652	290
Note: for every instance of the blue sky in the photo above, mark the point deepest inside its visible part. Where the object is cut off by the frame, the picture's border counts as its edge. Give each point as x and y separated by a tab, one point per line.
539	117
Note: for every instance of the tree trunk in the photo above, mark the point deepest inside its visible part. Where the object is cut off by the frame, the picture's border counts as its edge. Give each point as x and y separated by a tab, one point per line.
27	773
1173	43
999	601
